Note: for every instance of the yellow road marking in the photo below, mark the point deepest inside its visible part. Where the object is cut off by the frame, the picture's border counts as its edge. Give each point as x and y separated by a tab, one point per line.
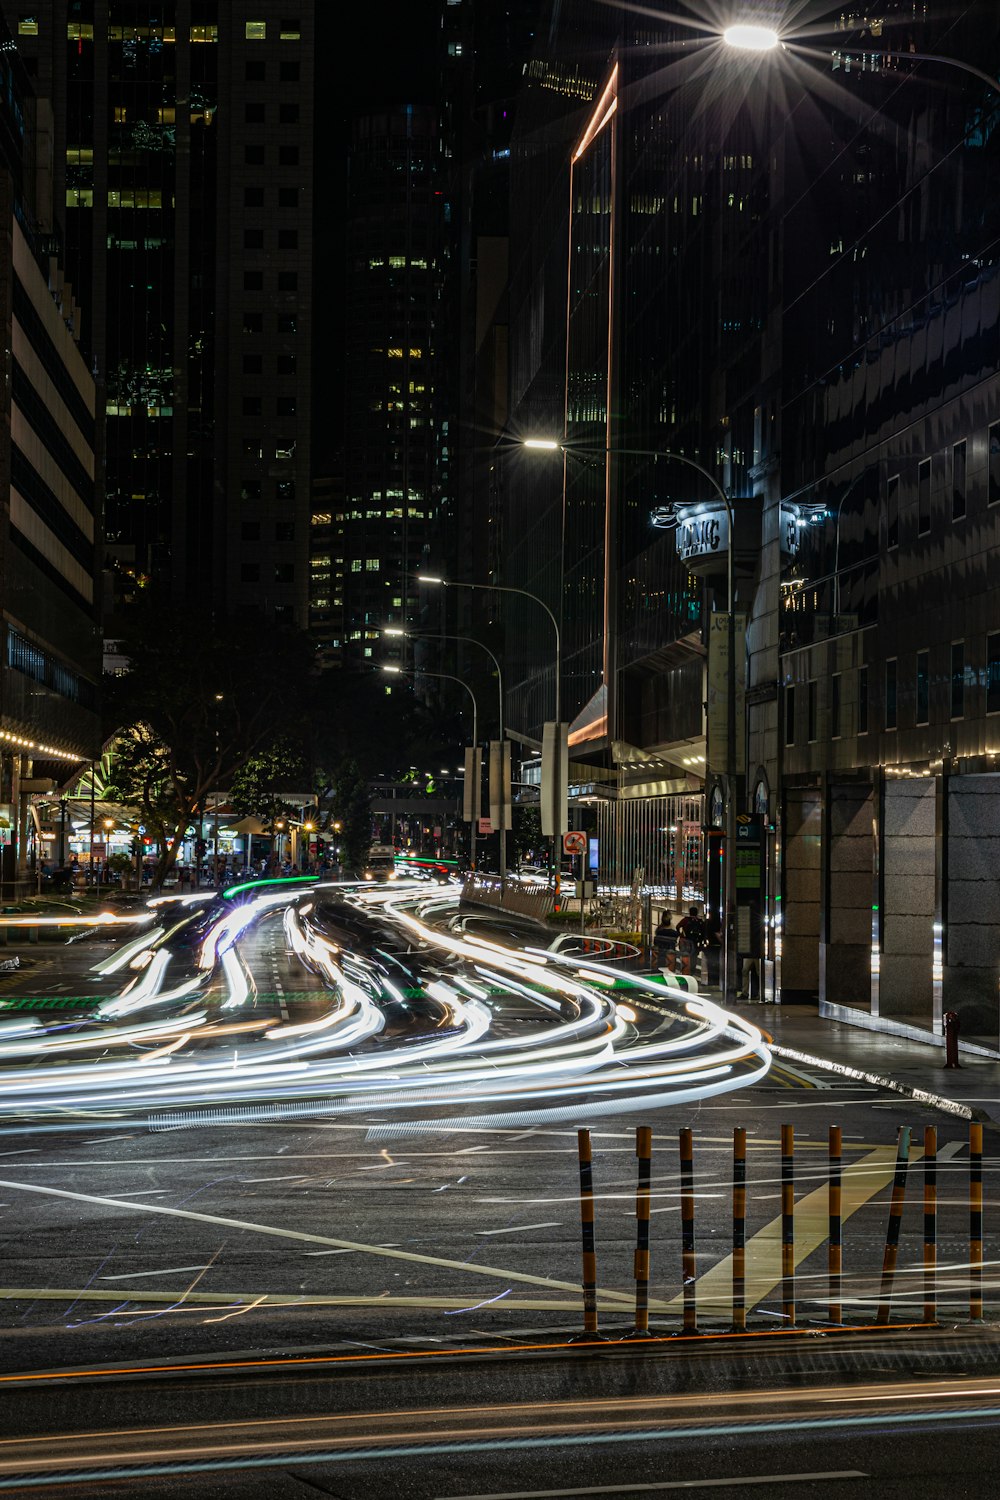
861	1181
229	1301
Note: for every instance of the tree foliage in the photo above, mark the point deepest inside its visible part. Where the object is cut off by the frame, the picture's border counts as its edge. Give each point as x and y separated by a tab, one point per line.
202	698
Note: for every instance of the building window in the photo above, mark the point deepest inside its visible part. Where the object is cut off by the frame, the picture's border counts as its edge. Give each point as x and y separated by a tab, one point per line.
790	715
253	322
812	717
250	531
283	614
862	700
835	706
286	406
958	458
250	573
288	156
288	239
250	489
284	531
289	72
890	693
252	364
284	572
253	197
958	679
286	364
253	239
372	564
288	323
253	281
27	25
994	462
252	406
923	687
993	673
892	512
286	489
252	448
288	197
253	156
289	29
288	281
253	114
255	72
288	114
924	497
256	31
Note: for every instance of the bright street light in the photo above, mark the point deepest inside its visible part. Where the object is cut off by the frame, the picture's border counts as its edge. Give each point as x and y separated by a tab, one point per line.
751	38
424	578
396	670
548	444
392	630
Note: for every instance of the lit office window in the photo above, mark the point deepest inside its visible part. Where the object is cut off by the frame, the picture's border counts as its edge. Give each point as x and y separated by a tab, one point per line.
289	29
993	673
27	25
957	679
256	31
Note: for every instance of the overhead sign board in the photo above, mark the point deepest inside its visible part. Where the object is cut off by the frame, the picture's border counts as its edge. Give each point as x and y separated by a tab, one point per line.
702	532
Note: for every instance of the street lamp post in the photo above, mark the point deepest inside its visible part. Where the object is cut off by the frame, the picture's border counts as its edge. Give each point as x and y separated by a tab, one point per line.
552	445
505	588
449	677
469	640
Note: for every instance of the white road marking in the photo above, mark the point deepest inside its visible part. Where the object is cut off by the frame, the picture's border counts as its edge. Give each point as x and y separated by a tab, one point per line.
170	1271
668	1484
522	1228
467	1267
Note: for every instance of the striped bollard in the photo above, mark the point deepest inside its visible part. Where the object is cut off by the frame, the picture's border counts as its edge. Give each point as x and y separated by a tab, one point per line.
975	1222
835	1251
930	1224
739	1229
689	1269
891	1254
644	1154
788	1224
587	1231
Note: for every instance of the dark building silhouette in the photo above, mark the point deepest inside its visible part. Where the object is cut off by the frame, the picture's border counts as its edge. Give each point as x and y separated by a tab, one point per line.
183	172
49	487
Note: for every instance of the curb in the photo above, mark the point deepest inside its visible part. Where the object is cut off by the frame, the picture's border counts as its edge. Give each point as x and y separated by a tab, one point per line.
921	1096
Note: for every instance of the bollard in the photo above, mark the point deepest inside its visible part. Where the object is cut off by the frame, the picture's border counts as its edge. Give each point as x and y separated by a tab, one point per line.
644	1153
587	1230
891	1253
788	1223
739	1229
835	1252
930	1224
952	1026
689	1268
976	1223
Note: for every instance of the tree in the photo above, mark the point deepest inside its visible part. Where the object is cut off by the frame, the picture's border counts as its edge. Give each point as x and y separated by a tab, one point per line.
202	697
352	809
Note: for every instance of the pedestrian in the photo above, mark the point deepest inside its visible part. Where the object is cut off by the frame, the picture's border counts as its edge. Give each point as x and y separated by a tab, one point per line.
665	942
690	937
713	947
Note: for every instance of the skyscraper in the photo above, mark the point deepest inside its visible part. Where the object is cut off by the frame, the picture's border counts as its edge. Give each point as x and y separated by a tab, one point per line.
183	171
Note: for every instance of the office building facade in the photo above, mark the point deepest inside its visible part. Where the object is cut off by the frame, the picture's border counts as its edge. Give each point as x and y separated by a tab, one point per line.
183	172
782	269
50	498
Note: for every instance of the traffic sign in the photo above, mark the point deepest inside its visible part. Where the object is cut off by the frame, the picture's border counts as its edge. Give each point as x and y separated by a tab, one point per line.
575	842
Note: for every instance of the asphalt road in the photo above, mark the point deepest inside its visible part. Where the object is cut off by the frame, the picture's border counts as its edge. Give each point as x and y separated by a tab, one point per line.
270	1253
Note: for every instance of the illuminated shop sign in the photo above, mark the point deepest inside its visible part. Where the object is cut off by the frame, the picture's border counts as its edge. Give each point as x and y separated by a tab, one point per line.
702	532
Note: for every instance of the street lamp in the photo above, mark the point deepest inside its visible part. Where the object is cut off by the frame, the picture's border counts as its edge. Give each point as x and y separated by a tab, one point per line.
469	640
449	677
506	588
552	445
307	829
751	38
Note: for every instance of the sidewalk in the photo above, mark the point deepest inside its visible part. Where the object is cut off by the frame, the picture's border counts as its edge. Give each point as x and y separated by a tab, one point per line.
914	1065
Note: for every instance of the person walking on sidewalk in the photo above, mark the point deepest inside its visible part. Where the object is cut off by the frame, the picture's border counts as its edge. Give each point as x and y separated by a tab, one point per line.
665	942
690	939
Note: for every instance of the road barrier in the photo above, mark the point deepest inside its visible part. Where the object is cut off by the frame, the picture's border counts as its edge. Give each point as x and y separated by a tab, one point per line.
922	1282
